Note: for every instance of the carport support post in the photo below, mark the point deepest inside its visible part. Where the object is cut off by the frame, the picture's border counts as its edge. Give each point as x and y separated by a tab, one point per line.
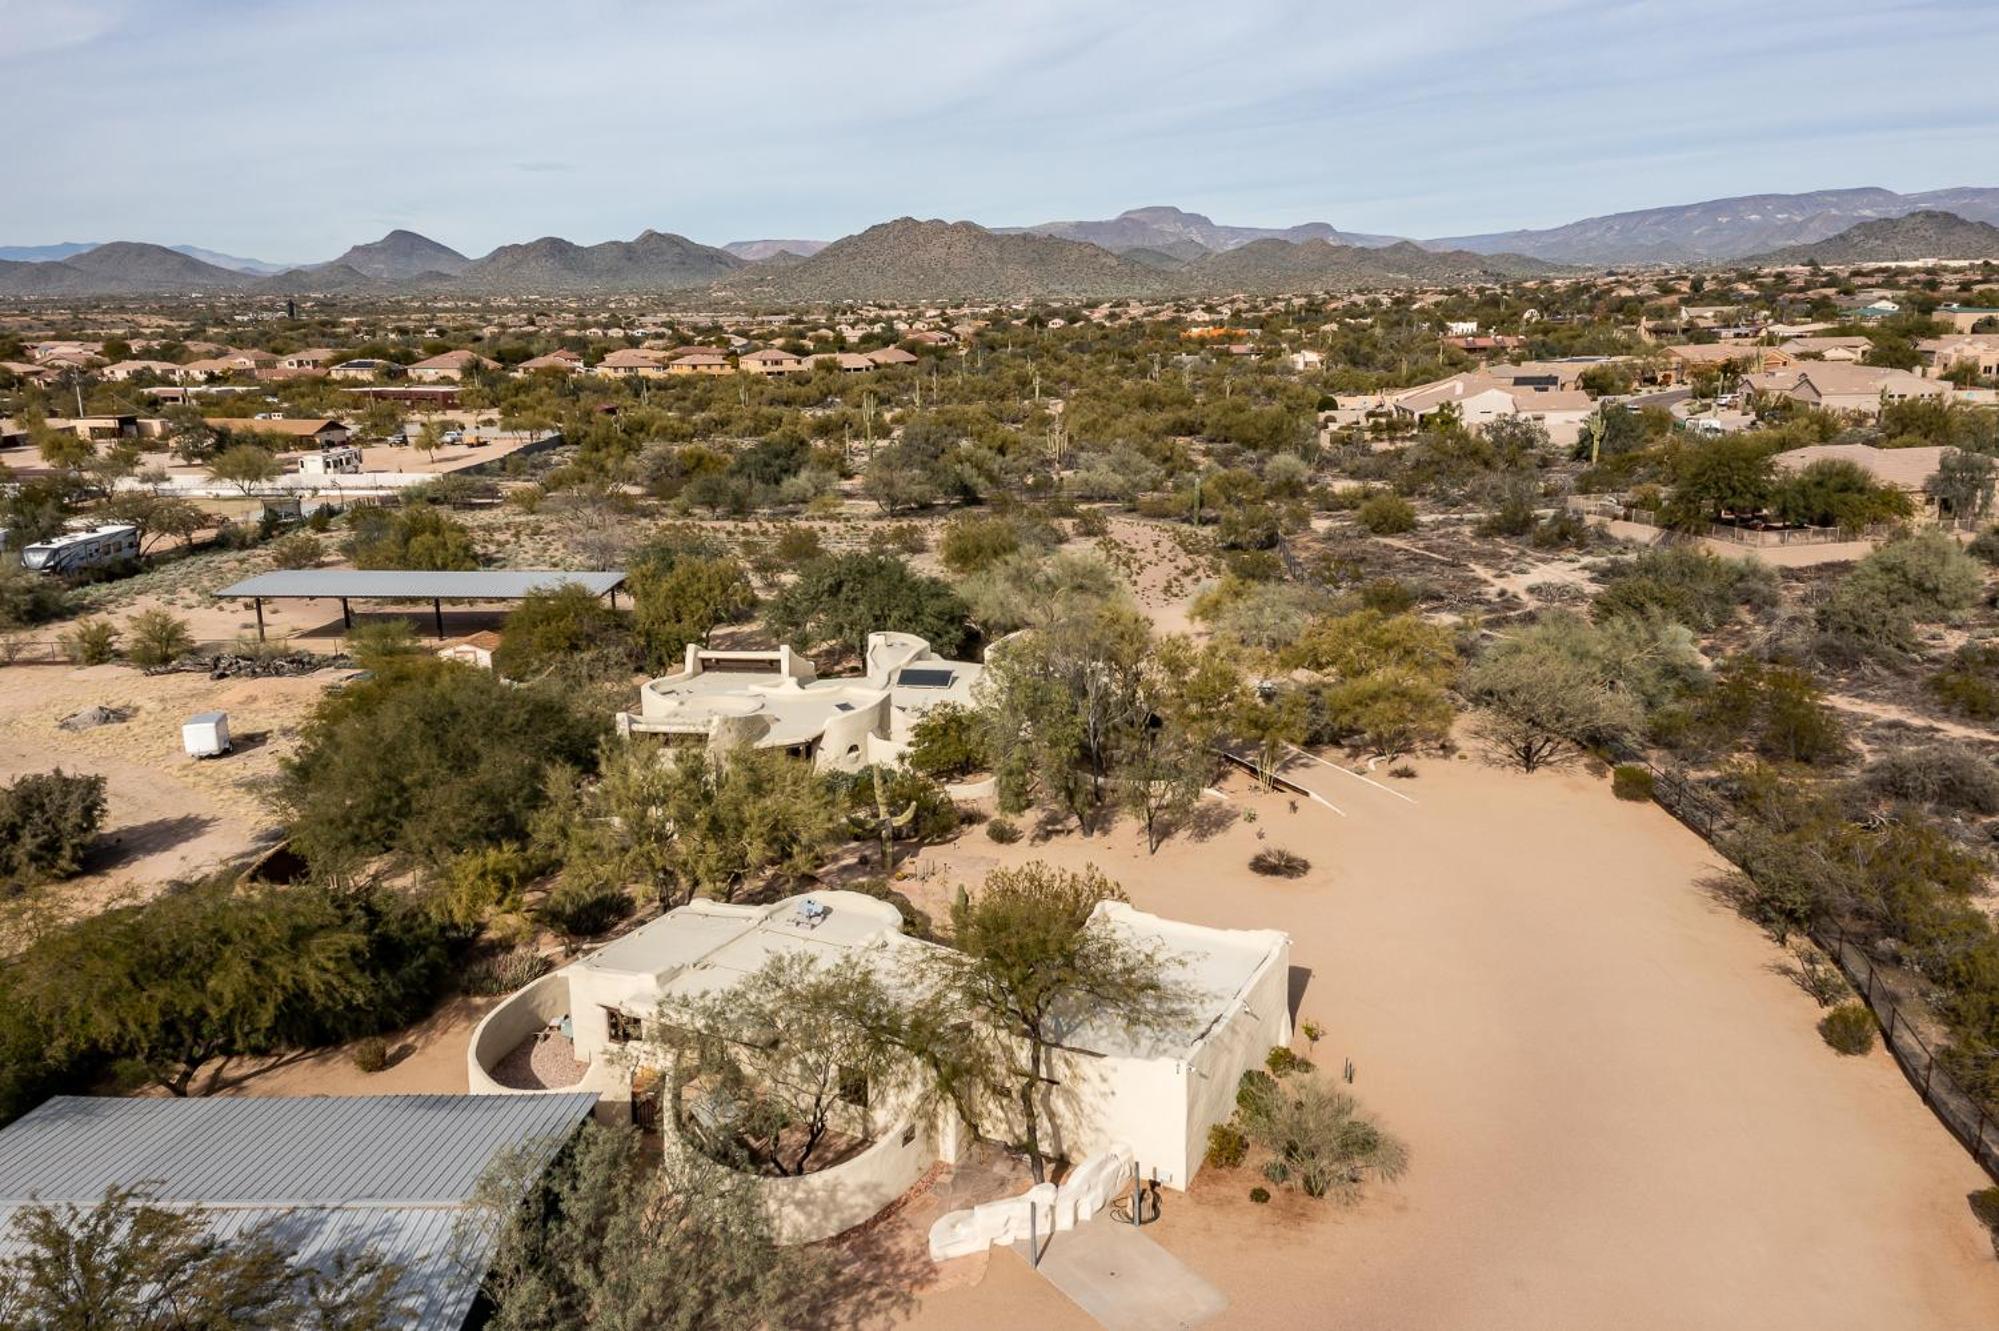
346	615
437	608
260	619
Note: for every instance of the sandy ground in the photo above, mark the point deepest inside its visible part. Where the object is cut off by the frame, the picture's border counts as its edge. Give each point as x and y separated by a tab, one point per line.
427	1059
1620	1115
168	816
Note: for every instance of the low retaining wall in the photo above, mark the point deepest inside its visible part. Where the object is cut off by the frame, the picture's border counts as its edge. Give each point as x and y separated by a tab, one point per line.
832	1201
500	1031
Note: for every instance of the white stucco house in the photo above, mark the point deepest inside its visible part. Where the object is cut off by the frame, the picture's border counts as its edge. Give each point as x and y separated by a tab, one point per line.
1154	1092
776	700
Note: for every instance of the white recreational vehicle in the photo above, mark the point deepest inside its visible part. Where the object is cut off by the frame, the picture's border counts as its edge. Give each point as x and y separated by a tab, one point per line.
82	549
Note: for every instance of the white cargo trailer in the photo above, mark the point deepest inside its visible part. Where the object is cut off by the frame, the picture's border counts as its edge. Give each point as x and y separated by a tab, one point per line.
206	735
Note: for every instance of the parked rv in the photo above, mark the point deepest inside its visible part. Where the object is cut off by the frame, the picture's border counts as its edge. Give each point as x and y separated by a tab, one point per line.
79	550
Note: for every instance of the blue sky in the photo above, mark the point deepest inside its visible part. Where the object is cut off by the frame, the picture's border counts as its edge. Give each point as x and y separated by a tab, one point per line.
288	129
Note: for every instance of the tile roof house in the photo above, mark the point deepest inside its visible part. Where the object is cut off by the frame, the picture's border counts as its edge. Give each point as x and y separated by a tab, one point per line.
1861	388
699	360
633	363
891	356
450	366
772	360
318	432
559	361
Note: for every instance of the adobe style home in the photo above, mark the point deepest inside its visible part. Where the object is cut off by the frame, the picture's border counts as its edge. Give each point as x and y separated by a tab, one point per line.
775	700
1149	1095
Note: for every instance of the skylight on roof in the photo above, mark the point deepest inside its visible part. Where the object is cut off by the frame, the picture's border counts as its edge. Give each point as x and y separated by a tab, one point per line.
925	679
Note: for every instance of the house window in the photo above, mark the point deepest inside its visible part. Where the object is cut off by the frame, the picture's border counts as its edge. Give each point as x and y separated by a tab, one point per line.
854	1087
624	1028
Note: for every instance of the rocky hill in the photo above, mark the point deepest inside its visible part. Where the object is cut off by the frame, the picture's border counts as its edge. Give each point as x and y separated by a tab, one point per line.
655	261
911	260
400	256
1169	230
1268	267
1924	235
120	268
1719	229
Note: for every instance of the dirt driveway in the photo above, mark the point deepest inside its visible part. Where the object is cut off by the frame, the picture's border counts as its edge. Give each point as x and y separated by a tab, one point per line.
1620	1115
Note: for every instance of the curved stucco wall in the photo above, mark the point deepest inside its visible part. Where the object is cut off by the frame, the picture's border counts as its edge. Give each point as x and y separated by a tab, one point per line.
832	1201
500	1031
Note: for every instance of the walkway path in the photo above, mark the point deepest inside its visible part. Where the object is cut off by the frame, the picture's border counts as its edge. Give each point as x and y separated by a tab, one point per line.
1124	1280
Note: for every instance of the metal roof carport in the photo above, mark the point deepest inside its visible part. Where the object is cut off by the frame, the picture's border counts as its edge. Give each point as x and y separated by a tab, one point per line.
364	584
329	1175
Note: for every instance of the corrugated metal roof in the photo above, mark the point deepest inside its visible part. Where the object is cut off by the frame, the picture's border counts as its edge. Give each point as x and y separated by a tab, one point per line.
408	584
330	1174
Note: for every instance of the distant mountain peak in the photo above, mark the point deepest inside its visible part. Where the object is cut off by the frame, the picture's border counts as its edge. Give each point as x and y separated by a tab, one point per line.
399	256
1163	227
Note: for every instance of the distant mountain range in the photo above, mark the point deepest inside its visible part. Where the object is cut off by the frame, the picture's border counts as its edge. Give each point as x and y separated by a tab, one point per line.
757	250
1170	231
1723	229
1155	251
1905	239
68	249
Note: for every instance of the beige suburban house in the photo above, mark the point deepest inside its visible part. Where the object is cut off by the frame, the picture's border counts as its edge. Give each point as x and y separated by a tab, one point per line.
701	360
450	367
772	360
1978	350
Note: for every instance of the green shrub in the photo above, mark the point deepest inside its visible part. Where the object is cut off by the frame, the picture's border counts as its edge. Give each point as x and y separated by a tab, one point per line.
48	821
1259	1195
1386	515
949	741
1968	683
1254	1086
1092	522
1631	781
474	883
1227	1146
1277	1172
92	642
158	638
1003	831
1282	1062
1849	1028
296	550
797	544
584	910
1985	1206
371	1054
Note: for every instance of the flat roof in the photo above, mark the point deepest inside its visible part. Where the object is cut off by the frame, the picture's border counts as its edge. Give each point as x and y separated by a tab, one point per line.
331	1175
411	584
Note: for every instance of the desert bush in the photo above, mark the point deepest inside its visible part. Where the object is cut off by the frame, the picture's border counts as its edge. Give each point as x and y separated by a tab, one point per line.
497	974
1326	1145
1282	1062
1985	1206
158	638
1255	1083
949	741
1277	862
1631	781
474	883
1259	1195
584	910
1814	972
1848	1028
295	551
1950	775
1386	515
1687	585
91	642
371	1054
796	544
1228	1146
29	598
1985	546
1092	522
1003	831
48	821
1968	683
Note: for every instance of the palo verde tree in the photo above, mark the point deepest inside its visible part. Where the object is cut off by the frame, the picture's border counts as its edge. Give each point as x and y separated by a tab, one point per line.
1028	955
137	1266
607	1237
